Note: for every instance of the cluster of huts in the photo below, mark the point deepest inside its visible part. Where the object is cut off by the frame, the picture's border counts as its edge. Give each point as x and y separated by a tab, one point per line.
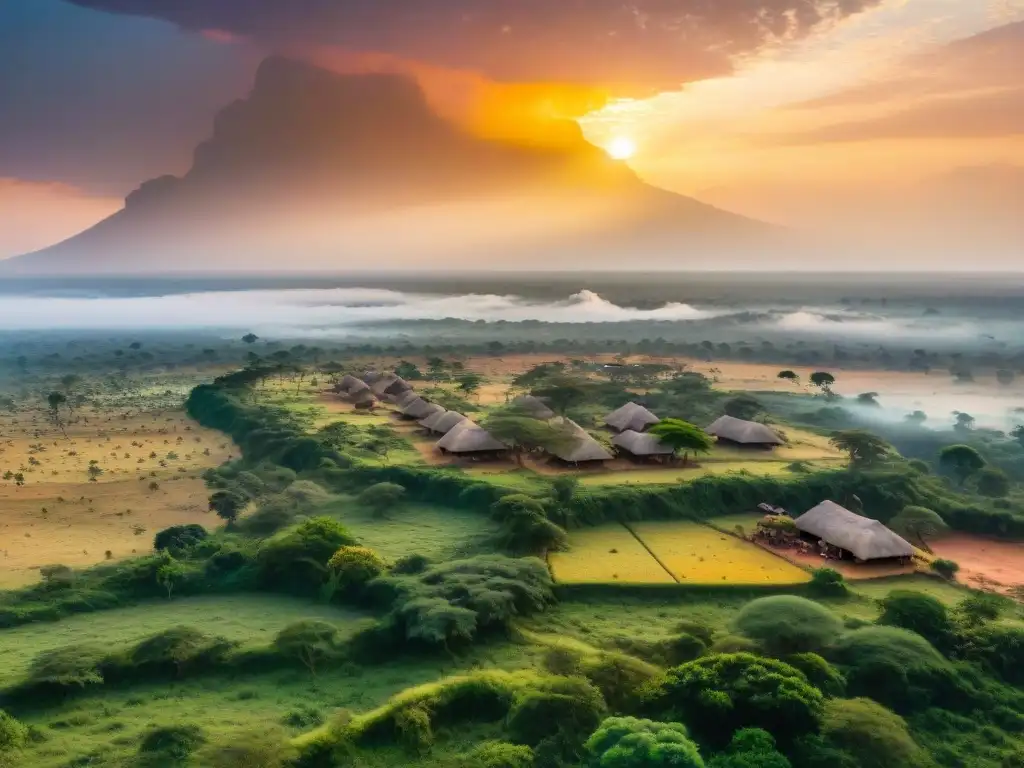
836	533
459	435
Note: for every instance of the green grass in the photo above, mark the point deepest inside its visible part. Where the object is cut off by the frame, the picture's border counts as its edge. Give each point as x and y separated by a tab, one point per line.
947	592
438	533
680	474
249	618
748	520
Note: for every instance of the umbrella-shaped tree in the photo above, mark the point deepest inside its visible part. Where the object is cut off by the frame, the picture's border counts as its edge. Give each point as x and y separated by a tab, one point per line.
682	436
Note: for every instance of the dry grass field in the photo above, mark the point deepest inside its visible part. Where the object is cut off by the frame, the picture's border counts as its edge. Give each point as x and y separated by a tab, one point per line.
606	555
698	554
147	462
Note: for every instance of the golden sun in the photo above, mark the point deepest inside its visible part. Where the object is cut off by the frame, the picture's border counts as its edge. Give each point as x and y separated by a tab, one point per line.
621	148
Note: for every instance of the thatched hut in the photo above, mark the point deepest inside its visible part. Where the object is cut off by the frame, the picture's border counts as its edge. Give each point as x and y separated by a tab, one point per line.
390	385
363	400
584	450
349	384
467	438
641	446
630	416
403	399
371	377
533	406
419	409
729	429
852	534
442	423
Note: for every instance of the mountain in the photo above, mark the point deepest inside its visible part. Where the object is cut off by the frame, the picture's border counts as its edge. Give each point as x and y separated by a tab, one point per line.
319	171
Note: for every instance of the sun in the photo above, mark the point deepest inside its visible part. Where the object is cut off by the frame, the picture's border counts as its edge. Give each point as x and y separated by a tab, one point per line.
621	148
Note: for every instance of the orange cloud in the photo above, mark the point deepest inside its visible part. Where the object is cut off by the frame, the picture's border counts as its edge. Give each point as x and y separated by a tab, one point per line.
34	215
219	36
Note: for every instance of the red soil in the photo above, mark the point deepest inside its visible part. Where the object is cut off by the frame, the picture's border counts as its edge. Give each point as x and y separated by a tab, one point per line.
984	563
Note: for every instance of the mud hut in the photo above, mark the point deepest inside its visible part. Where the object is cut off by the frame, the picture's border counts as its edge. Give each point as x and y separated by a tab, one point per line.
631	416
746	433
640	446
852	534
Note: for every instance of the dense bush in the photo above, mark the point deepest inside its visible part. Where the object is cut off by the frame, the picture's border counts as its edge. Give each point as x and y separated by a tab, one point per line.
626	742
179	538
895	667
785	624
828	582
497	754
177	650
263	747
750	748
12	733
819	673
296	560
918	613
310	642
875	736
620	678
562	710
945	568
1000	648
381	498
350	568
717	695
171	744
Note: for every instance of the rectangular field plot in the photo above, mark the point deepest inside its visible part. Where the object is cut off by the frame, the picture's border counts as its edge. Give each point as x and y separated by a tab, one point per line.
697	554
606	555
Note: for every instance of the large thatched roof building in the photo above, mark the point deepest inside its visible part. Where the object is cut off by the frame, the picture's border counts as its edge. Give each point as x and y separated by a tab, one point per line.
733	430
631	416
390	384
443	422
467	437
533	406
864	538
350	384
584	448
419	408
641	445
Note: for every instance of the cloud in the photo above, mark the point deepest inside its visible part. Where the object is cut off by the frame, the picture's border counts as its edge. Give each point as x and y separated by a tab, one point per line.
658	42
335	311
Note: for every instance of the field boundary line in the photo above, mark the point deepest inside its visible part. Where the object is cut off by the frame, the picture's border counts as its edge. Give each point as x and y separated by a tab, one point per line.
651	552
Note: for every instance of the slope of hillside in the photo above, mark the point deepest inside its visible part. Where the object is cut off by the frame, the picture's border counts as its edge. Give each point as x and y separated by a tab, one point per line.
315	170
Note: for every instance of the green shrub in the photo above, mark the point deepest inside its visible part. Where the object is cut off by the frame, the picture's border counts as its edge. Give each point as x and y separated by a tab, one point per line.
735	644
273	513
171	744
177	650
947	569
875	736
497	754
703	632
719	694
410	564
819	672
179	538
828	582
413	726
785	624
993	482
296	560
382	498
1001	649
750	748
352	567
67	667
567	709
918	613
13	734
627	742
262	747
619	678
310	642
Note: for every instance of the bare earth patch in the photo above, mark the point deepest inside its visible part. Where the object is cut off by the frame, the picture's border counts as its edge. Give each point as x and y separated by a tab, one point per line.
984	563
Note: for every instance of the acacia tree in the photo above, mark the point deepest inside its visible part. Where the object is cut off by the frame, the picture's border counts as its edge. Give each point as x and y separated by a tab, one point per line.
918	524
788	375
525	434
964	421
469	383
864	448
228	505
55	400
682	436
823	380
962	461
563	392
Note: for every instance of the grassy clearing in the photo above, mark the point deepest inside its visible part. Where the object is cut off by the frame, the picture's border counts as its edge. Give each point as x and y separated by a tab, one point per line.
250	619
697	554
609	554
438	533
748	521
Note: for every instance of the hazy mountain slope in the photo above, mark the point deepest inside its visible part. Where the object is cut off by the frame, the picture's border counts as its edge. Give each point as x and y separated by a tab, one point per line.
315	170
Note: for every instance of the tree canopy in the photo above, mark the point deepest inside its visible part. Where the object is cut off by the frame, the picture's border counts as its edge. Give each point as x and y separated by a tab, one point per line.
962	461
864	448
918	524
682	436
785	624
628	742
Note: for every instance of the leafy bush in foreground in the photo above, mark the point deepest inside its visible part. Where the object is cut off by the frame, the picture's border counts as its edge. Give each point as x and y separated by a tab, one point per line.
750	748
12	733
626	742
920	613
296	561
875	736
171	744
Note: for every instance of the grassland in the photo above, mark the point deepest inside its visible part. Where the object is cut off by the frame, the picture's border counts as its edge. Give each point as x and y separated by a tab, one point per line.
608	554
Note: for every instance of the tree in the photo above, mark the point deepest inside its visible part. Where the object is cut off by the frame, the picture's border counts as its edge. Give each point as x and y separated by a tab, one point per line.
469	383
627	742
380	498
919	613
868	398
179	537
719	694
228	504
875	736
743	407
353	567
563	392
993	482
964	421
250	338
824	381
962	461
918	524
525	434
750	748
170	574
311	642
55	400
682	436
789	376
785	624
916	418
864	448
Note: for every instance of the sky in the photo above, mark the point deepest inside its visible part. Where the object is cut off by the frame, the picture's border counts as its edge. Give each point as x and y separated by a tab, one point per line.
858	118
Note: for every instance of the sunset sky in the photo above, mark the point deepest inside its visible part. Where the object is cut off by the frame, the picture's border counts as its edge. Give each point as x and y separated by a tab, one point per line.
818	114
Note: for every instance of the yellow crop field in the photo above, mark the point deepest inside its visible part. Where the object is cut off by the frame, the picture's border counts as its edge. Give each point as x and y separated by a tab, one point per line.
698	554
603	555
